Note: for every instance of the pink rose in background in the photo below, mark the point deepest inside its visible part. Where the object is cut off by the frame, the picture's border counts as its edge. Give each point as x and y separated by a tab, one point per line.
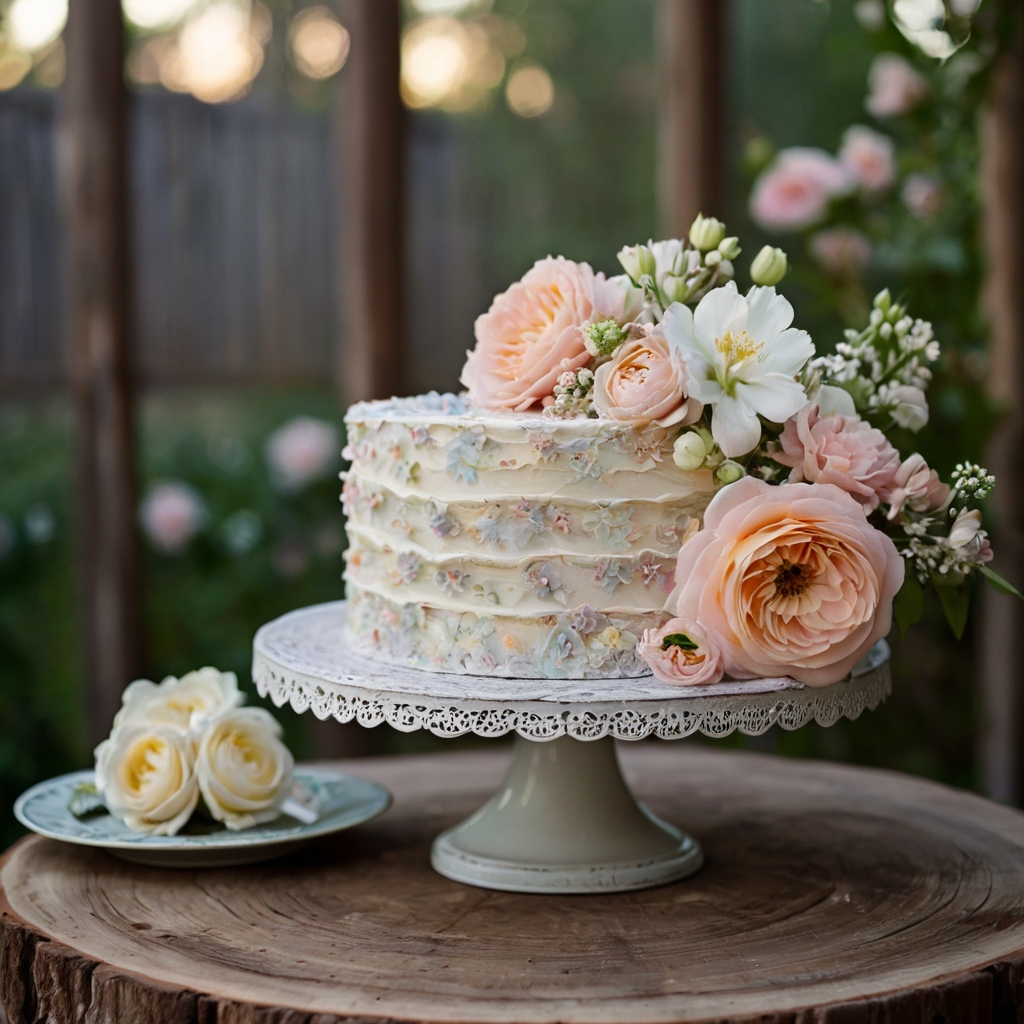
922	196
303	450
791	581
171	515
895	86
843	252
917	487
645	381
868	156
689	661
795	191
840	450
533	333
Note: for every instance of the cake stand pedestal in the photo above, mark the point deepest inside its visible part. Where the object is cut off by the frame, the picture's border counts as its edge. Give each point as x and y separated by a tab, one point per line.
563	821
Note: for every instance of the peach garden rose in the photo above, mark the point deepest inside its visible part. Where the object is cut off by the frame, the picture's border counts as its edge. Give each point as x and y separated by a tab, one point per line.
680	654
533	333
789	580
645	382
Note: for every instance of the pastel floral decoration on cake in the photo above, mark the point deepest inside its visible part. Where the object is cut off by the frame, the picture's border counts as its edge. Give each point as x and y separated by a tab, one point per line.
679	653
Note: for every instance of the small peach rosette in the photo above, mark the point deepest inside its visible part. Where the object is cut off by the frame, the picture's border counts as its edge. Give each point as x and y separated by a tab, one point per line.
680	654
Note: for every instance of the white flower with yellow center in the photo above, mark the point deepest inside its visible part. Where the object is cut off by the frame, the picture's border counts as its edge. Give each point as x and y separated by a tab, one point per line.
182	704
244	770
146	776
743	358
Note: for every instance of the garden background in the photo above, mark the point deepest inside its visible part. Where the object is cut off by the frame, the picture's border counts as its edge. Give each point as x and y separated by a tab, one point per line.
546	144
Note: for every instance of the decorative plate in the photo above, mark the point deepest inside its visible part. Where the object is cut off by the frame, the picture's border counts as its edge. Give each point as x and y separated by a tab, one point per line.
339	801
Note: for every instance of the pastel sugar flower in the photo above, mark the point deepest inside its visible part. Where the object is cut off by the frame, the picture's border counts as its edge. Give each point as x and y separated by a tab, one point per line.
743	357
680	654
181	703
646	382
895	86
840	450
842	252
795	191
533	333
146	776
243	769
171	514
916	486
868	157
303	450
788	581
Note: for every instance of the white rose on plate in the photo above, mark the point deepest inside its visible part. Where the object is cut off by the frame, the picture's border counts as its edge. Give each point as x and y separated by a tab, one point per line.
243	768
182	704
146	776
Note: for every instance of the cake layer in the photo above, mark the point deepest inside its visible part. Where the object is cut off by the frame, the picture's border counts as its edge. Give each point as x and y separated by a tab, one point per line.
578	643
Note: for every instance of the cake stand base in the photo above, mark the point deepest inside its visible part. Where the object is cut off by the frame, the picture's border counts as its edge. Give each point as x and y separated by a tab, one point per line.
564	821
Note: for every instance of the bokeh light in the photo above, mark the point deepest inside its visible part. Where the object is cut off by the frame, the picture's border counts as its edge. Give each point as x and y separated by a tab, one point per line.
450	7
157	14
32	25
14	66
449	64
530	91
319	42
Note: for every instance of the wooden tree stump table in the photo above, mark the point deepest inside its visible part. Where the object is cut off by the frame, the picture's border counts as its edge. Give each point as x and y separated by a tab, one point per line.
830	894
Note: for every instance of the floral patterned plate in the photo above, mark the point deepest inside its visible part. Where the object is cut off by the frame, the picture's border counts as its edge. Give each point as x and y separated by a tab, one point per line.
339	800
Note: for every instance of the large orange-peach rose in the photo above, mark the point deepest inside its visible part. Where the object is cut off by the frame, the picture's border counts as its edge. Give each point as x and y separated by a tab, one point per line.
789	580
533	333
645	382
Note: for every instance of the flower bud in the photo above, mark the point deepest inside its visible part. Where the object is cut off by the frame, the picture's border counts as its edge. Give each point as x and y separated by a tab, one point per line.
713	258
726	269
638	261
730	247
883	300
688	453
706	232
675	289
729	472
769	266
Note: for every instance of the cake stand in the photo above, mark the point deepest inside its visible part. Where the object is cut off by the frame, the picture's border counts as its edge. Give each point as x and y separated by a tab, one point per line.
564	820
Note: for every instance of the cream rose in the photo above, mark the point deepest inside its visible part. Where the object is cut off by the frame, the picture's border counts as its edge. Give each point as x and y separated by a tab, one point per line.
533	333
244	770
789	580
181	703
645	381
679	653
146	776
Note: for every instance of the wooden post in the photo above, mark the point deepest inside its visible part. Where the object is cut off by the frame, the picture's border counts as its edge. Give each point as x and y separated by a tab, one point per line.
370	156
1001	751
95	189
692	37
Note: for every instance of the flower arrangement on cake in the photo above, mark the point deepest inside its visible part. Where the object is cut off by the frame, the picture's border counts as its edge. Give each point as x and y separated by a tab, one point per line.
656	472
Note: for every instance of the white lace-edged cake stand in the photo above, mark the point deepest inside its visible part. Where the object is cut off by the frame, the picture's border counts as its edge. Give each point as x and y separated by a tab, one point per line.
564	820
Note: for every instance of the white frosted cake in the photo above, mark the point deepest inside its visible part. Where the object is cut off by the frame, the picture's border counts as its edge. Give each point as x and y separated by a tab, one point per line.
514	544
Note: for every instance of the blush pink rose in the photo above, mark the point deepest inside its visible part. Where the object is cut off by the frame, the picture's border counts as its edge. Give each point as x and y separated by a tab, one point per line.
868	156
922	196
679	664
789	580
840	450
171	515
795	191
841	251
895	87
645	382
533	333
917	487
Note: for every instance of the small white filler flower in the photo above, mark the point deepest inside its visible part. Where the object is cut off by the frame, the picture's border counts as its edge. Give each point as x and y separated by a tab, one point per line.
743	357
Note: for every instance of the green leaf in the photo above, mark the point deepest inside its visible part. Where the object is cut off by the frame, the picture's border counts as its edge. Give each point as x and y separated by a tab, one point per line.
955	603
678	640
86	801
908	607
998	584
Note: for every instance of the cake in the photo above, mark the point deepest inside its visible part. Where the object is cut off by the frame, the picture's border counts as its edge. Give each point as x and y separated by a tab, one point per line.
513	544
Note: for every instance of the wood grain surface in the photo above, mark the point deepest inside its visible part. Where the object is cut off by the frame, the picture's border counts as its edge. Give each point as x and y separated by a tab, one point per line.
830	894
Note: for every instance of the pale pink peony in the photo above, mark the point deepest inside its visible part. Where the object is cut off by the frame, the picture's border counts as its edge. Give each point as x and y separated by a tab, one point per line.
868	156
789	580
795	191
895	86
645	381
303	450
841	251
533	333
922	196
675	664
916	487
840	450
171	515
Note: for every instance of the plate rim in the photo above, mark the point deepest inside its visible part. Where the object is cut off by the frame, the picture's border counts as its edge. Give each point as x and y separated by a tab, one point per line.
183	844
